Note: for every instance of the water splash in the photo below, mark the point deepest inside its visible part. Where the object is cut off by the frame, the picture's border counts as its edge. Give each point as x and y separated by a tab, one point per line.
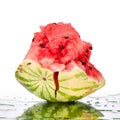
12	107
108	105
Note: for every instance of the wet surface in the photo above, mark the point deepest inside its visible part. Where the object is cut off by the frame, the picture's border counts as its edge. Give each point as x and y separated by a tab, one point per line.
96	108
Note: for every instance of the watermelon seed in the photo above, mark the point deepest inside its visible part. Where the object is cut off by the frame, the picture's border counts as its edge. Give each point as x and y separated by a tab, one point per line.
90	48
29	63
83	63
90	67
41	45
66	37
87	51
62	47
33	40
44	79
20	68
55	23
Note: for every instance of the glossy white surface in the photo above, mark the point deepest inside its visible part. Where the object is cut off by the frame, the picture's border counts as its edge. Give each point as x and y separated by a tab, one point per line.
97	22
12	107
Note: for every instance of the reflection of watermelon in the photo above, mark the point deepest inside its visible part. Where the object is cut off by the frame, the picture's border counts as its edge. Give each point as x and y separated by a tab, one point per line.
57	67
61	111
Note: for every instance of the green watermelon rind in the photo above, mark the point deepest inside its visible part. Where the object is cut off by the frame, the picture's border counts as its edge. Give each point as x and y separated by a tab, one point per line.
61	111
73	85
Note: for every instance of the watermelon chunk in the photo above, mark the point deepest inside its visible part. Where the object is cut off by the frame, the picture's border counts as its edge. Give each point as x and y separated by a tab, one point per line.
57	66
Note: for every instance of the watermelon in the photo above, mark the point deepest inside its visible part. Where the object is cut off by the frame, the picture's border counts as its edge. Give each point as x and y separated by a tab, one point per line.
61	111
57	66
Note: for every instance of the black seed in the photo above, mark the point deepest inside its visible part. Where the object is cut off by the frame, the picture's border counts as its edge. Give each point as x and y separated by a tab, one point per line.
87	51
83	63
33	40
20	65
90	67
62	47
55	23
44	78
41	45
29	63
20	69
66	37
90	48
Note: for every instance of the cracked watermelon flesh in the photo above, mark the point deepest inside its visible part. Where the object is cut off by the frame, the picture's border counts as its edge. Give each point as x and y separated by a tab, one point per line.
57	66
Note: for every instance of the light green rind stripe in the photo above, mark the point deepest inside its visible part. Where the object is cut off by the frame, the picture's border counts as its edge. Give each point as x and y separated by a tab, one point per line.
59	93
25	76
78	89
30	72
38	69
49	94
31	68
21	78
64	94
81	75
51	90
73	85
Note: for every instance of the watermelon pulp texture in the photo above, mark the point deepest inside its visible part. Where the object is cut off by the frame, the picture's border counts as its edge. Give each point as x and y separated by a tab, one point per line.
59	51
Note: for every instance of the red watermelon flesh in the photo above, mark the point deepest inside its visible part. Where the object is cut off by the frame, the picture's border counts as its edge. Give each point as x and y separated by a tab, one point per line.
58	47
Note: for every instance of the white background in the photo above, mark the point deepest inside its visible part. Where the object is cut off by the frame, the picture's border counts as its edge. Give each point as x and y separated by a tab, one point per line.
97	21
